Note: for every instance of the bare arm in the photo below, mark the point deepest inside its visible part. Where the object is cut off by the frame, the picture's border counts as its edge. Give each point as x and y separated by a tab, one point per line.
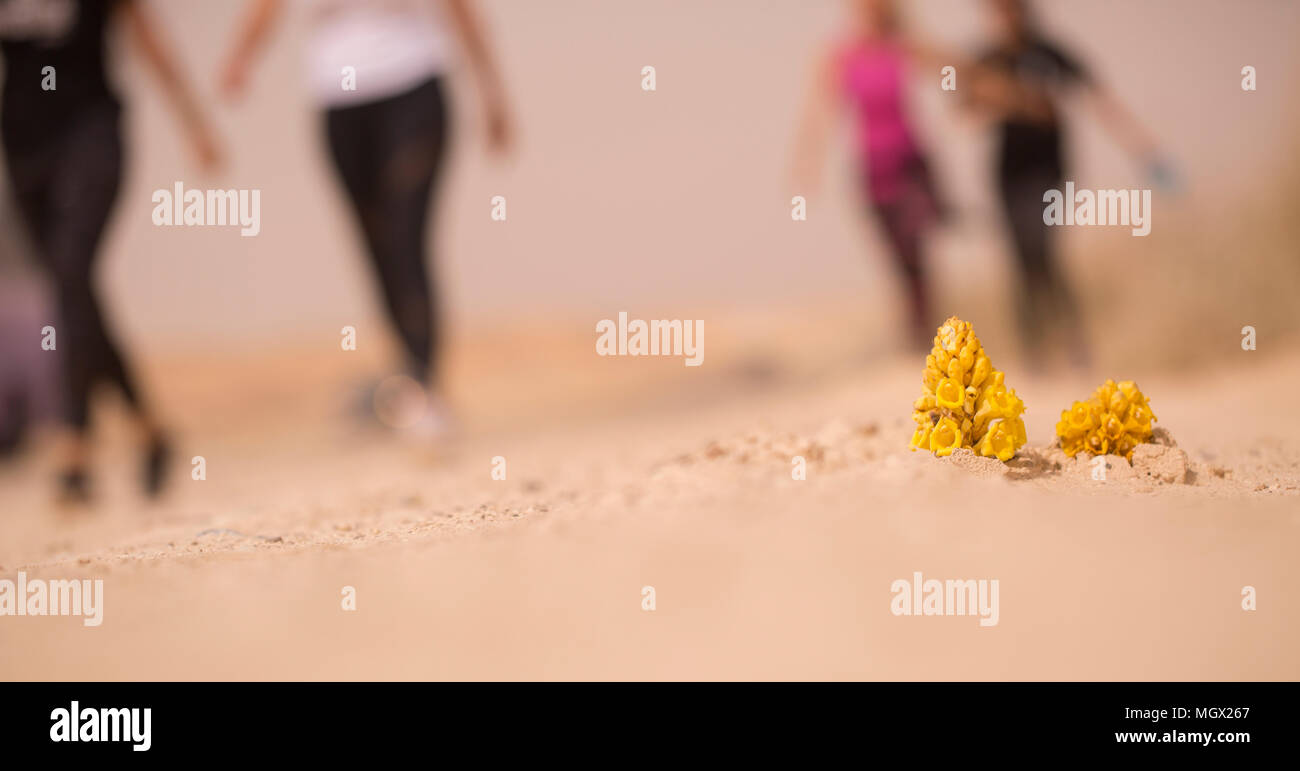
148	40
1121	124
814	128
1000	96
253	32
983	91
470	32
930	55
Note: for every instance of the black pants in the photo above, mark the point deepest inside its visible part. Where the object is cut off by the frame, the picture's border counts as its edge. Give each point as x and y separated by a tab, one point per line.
65	188
906	219
1045	301
388	154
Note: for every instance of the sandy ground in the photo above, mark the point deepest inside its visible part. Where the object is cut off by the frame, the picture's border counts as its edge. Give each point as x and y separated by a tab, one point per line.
627	473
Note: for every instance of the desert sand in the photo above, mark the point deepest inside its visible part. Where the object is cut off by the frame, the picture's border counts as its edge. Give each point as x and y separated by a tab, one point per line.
625	473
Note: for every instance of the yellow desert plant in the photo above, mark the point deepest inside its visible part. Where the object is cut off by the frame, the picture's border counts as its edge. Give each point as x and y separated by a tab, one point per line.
965	402
1113	422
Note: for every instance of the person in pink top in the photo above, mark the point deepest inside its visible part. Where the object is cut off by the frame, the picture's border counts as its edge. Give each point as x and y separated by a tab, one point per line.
866	75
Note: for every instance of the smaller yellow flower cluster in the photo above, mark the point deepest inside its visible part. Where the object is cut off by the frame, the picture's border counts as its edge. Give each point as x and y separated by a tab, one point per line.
1114	421
965	402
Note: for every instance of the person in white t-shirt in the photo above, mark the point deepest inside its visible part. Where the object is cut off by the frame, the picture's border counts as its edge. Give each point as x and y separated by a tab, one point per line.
376	71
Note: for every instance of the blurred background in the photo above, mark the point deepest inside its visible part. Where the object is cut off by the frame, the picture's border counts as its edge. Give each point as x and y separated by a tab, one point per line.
676	204
626	199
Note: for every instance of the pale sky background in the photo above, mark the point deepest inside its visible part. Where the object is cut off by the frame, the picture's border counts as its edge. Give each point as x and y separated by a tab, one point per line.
656	203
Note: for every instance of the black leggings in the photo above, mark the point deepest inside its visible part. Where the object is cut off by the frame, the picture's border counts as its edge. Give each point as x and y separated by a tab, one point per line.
906	220
1044	299
388	154
65	189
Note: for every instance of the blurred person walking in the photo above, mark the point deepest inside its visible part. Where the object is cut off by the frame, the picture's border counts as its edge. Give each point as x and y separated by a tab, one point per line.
60	124
28	377
866	74
387	136
1021	83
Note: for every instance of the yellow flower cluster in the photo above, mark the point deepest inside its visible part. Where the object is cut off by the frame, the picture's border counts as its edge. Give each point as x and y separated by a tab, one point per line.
1114	421
965	402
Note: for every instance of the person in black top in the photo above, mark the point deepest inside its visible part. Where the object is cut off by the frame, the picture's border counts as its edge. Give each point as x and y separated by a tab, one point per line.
60	127
1021	82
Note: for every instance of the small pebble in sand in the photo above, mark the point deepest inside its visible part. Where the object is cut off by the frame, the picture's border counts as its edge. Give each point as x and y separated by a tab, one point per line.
1117	469
1162	463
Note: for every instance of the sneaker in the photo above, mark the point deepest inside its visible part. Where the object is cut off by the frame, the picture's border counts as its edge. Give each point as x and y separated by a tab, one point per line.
74	486
156	459
407	407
